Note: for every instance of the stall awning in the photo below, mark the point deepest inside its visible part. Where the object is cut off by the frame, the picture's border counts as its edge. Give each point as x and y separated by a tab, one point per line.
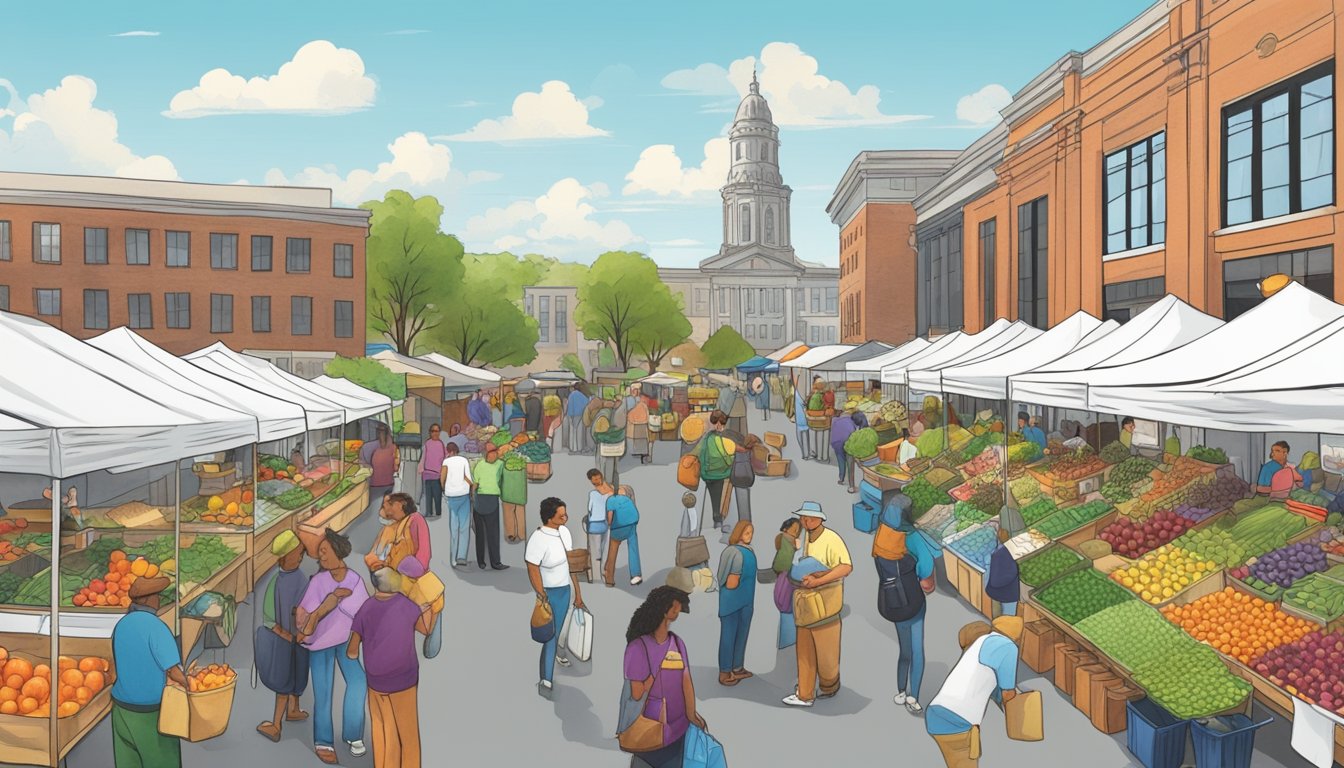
466	371
758	364
417	377
926	375
373	403
25	448
788	351
553	379
816	356
260	375
864	351
987	378
946	350
872	366
663	380
1166	325
276	418
103	414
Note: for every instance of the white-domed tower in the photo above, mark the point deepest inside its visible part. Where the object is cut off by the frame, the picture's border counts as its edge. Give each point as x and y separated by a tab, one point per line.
755	200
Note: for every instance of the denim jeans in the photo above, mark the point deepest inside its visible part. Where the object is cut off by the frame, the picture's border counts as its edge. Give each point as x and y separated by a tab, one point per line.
433	498
459	526
1008	609
804	444
733	631
630	535
841	460
322	669
559	597
910	663
788	631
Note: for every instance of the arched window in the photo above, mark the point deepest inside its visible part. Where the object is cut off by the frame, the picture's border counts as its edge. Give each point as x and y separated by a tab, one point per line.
770	226
739	151
745	212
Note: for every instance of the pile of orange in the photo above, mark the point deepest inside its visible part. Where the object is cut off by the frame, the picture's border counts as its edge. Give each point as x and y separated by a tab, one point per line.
113	590
26	688
211	677
1239	625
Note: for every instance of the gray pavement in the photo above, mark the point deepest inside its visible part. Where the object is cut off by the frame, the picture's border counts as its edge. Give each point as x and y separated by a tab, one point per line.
478	699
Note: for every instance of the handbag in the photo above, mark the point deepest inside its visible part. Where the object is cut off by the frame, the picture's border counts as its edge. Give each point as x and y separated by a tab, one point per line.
814	606
1024	718
743	475
765	575
783	593
688	471
270	650
578	634
702	750
543	621
643	733
692	551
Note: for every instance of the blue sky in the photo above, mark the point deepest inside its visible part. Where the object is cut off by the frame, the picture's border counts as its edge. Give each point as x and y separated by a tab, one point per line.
559	128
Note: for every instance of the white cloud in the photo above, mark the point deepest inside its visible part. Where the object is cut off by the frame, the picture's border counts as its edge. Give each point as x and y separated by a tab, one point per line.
659	170
61	131
417	163
321	79
136	33
982	107
553	113
799	96
559	223
704	80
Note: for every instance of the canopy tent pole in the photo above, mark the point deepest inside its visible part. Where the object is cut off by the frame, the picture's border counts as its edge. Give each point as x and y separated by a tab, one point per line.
54	618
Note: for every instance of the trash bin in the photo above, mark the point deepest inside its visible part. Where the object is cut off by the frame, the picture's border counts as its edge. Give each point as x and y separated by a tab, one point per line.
1227	741
1154	736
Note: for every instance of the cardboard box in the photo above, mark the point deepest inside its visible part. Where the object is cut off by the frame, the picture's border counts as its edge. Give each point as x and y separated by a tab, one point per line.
776	440
778	467
1105	704
1065	676
1039	639
1084	678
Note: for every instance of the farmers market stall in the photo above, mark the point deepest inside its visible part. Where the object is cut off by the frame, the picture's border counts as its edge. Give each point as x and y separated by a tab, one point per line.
424	391
670	393
460	383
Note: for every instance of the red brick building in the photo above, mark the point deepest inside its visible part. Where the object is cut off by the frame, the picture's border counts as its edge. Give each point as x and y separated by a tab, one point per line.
274	270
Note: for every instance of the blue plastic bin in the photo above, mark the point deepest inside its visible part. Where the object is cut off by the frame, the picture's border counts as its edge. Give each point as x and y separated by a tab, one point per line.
1232	748
865	517
1154	736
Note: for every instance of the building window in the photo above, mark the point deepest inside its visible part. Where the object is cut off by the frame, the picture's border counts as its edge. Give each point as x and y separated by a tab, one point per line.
345	319
939	305
223	251
749	332
95	245
764	333
261	253
739	152
830	334
137	247
1032	259
723	301
770	226
178	249
701	301
261	314
816	300
1122	301
298	255
988	253
527	305
221	313
95	309
4	298
177	308
744	212
749	305
343	260
561	321
544	318
833	300
777	332
814	334
301	315
1313	268
48	301
47	243
6	251
1136	195
1278	149
140	310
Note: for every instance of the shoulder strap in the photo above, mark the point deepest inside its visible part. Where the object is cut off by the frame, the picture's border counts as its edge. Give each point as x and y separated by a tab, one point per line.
270	611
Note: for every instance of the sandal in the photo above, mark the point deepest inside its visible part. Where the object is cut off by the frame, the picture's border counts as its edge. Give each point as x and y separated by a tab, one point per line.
297	716
326	755
742	674
269	730
727	678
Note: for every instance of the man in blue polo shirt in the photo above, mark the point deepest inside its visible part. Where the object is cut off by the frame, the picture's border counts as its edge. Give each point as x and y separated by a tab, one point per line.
146	657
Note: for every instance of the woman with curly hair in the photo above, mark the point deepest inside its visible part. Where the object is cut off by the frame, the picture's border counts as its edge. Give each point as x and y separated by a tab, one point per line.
656	663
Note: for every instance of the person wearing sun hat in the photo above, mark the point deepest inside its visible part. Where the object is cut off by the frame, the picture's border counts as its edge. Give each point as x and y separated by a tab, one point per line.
145	654
818	645
988	664
287	674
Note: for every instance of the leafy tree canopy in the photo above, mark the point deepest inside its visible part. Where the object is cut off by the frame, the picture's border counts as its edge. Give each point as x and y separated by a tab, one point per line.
726	348
413	268
369	374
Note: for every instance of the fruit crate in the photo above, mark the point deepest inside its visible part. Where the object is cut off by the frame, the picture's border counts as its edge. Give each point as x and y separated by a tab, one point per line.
1088	531
1238	584
1083	562
1327	623
1051	484
1212	582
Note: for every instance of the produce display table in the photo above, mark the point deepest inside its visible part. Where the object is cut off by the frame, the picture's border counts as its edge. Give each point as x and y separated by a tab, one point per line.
28	740
337	515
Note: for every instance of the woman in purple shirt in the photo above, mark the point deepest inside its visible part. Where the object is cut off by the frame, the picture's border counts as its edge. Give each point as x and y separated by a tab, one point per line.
656	663
431	461
325	616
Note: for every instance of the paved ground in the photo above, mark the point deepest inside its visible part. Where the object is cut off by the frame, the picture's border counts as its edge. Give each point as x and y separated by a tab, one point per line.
478	700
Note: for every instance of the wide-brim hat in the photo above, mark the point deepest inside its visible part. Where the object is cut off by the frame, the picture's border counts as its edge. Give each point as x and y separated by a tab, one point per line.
810	509
145	586
681	580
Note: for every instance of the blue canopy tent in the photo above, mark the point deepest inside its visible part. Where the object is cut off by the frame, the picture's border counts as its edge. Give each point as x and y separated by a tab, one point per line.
758	364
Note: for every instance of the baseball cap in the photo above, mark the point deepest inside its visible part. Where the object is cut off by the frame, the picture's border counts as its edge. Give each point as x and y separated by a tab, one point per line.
810	509
285	543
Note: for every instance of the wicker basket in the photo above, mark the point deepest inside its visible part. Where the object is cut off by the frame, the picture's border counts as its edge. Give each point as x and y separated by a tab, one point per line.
538	472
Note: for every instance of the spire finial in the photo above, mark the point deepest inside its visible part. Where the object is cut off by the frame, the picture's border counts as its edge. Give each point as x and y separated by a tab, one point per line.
755	87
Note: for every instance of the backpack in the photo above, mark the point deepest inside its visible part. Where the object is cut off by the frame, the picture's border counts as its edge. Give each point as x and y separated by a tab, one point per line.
889	543
688	471
899	596
718	455
743	474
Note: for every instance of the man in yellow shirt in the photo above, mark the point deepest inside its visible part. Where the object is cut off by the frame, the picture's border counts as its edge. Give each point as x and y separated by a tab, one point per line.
819	644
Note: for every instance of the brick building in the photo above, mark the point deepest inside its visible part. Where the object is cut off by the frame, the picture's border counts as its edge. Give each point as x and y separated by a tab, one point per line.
873	206
276	271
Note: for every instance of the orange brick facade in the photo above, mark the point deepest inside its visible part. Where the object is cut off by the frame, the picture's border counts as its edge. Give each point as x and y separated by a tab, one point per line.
1184	63
24	275
877	275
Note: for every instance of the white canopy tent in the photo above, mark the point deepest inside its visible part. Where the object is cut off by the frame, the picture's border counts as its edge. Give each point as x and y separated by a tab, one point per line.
462	374
373	403
925	374
1166	325
276	418
816	356
26	448
783	352
103	414
987	378
873	365
949	347
218	359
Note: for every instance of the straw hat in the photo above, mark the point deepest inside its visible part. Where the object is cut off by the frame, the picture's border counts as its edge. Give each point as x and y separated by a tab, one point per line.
1009	626
972	632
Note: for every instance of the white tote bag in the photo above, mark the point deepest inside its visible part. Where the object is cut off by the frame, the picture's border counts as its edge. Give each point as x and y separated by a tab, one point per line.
578	634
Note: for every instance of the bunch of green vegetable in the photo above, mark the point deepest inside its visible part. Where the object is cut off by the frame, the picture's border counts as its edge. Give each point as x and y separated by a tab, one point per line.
275	463
1114	453
534	452
1208	455
514	462
500	439
156	550
1048	563
924	496
1023	453
967	515
1309	497
206	556
293	498
1070	518
1191	682
1123	478
335	493
1038	510
42	540
1024	489
9	585
1075	596
861	443
988	499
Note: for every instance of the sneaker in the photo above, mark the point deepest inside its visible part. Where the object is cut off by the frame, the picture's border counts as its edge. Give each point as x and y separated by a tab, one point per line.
636	581
562	661
900	698
460	564
357	747
792	700
545	690
914	707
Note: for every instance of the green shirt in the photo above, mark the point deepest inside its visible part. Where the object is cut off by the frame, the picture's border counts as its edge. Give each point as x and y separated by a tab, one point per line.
487	476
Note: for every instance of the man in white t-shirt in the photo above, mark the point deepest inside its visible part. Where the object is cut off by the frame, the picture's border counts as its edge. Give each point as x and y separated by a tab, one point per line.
457	487
547	557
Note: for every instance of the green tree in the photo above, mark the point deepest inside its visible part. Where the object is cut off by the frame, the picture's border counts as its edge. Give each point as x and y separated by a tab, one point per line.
514	272
564	273
622	301
482	325
605	358
726	348
663	327
369	374
571	362
413	268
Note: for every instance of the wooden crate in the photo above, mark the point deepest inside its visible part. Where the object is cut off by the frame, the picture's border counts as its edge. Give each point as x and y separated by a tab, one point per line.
1212	582
1108	705
1088	531
27	740
1086	681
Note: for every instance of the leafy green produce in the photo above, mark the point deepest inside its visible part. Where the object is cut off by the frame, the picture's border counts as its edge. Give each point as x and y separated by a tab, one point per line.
206	556
1024	489
861	443
537	452
9	585
293	498
1208	455
1024	452
924	496
967	515
979	444
1236	538
42	540
1124	477
36	590
1318	595
1038	510
930	443
1134	634
156	550
335	493
1075	596
514	462
1308	497
275	463
1334	519
1115	453
500	439
1070	518
1046	564
988	499
1192	682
